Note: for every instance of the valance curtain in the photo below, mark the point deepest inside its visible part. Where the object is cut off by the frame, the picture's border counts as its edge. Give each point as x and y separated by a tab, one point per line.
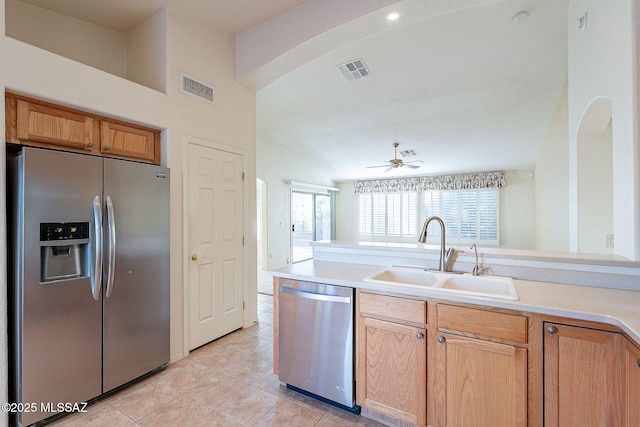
426	183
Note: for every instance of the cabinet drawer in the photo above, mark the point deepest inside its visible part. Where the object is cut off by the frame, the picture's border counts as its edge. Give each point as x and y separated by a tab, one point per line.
400	309
508	327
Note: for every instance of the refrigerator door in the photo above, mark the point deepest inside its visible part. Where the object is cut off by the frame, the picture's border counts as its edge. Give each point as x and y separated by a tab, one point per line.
136	281
56	322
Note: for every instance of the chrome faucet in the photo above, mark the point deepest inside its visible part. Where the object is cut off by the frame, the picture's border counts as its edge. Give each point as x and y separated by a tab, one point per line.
445	259
476	268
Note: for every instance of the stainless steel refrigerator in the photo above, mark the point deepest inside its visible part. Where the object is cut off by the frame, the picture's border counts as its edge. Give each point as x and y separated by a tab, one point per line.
88	277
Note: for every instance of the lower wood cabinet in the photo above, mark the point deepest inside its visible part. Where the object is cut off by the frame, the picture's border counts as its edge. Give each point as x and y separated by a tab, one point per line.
482	383
582	383
630	385
481	368
392	369
392	357
465	365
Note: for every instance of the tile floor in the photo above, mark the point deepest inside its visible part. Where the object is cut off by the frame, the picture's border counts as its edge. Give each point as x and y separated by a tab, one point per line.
228	382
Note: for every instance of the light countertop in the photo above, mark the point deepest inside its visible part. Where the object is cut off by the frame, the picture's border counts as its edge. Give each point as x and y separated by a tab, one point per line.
612	306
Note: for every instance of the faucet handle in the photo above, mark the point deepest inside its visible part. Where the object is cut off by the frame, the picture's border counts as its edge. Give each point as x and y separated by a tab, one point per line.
448	258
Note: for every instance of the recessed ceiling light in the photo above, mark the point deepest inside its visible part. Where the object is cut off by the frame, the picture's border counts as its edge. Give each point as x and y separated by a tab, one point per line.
393	15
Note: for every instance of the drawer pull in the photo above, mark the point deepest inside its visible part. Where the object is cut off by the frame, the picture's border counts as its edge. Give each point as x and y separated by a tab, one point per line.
552	329
441	340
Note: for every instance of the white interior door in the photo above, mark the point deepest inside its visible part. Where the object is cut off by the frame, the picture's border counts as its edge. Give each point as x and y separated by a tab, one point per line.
216	243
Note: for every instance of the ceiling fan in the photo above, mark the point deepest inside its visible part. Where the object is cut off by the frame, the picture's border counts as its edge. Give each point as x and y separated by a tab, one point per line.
396	162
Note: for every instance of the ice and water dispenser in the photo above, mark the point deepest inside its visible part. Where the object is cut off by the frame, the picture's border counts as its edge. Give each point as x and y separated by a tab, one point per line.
64	250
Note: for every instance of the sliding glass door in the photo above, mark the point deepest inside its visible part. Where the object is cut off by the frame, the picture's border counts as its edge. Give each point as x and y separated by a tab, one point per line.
311	219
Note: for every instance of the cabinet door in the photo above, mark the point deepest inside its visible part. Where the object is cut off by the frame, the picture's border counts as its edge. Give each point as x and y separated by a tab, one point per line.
581	377
53	126
631	385
484	383
129	141
392	364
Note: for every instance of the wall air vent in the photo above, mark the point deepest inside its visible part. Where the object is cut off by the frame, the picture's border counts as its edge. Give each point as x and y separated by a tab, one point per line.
354	70
408	153
197	89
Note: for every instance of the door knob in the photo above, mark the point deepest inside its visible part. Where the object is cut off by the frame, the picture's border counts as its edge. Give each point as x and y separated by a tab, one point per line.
194	257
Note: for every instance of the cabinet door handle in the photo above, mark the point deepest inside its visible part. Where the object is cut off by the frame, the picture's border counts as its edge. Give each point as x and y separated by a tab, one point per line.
90	145
419	335
441	340
552	329
638	363
106	148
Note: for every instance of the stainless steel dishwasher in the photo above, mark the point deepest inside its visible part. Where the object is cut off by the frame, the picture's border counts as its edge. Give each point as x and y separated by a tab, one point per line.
316	340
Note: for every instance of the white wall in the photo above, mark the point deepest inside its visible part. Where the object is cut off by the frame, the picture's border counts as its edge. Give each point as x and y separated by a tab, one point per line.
551	183
90	44
278	167
516	211
601	64
192	47
147	56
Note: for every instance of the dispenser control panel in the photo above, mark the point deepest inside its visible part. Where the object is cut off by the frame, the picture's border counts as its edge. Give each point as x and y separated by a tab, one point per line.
54	231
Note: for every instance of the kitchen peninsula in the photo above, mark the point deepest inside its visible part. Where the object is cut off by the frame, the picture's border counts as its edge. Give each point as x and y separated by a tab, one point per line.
564	354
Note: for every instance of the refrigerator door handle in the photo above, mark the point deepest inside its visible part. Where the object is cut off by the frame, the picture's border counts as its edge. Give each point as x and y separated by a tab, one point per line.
111	230
96	279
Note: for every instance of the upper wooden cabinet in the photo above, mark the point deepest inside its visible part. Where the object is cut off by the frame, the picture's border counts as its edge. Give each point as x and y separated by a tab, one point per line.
128	141
41	124
51	125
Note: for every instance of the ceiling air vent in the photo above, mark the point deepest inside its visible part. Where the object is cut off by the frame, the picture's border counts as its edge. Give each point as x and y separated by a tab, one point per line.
196	88
354	70
410	152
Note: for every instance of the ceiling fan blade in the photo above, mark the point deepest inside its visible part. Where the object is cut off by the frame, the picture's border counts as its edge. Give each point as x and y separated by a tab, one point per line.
379	166
413	161
389	168
412	166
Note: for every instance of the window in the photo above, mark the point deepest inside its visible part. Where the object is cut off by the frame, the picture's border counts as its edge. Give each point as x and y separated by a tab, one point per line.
469	215
388	215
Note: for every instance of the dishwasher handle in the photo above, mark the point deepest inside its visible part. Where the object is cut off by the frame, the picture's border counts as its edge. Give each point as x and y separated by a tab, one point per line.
314	296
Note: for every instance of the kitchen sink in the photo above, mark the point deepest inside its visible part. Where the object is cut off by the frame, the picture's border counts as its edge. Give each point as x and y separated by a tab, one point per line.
463	284
403	276
489	286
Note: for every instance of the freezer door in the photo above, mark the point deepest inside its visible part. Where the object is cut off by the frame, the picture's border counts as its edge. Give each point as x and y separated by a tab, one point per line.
136	270
56	322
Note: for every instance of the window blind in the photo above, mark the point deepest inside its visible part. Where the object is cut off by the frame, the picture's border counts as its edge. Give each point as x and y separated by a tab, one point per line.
469	215
391	215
